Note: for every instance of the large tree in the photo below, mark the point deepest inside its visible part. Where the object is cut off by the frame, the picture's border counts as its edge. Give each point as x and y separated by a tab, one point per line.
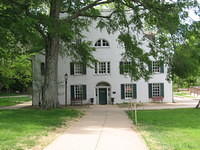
56	26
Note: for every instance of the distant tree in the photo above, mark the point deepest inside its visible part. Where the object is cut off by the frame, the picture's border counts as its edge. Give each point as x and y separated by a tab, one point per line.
37	25
15	73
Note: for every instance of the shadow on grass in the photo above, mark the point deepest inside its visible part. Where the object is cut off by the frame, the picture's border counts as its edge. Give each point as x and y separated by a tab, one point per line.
18	125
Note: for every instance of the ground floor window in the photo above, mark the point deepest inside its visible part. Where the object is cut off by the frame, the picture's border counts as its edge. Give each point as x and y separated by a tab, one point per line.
78	92
128	91
156	89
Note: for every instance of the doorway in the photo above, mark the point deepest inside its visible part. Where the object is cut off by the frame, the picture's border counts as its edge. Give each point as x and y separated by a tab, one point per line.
102	96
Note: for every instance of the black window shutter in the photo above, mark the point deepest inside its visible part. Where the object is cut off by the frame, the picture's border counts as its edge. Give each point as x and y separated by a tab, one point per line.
162	89
95	67
134	91
122	91
72	68
161	68
72	92
84	92
121	68
150	66
84	68
150	90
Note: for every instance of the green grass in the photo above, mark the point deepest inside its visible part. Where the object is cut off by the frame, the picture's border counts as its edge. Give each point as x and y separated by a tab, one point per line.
177	129
20	129
183	94
9	101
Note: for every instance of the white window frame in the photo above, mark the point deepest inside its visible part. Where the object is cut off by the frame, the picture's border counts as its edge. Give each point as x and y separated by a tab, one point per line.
78	92
102	43
105	68
155	67
78	69
129	94
156	90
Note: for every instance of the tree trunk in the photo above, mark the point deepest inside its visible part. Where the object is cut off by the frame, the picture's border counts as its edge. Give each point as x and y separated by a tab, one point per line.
50	96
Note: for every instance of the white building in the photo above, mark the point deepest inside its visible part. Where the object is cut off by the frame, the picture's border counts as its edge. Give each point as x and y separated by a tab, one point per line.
106	80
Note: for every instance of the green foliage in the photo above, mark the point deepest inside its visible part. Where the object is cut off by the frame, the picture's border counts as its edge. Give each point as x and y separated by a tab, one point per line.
177	129
28	24
20	129
15	73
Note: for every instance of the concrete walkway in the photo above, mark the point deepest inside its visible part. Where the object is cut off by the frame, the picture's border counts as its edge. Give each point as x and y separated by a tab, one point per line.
18	106
180	102
102	128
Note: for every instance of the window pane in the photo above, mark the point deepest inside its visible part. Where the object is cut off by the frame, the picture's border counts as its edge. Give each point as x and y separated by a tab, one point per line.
102	43
102	68
78	68
128	90
156	89
155	66
78	91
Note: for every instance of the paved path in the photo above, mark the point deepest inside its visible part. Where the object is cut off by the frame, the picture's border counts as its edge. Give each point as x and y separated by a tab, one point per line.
18	106
180	102
16	96
102	128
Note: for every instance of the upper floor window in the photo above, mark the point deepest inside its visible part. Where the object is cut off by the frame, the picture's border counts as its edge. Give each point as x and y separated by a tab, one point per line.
77	68
125	67
102	68
42	68
101	43
156	67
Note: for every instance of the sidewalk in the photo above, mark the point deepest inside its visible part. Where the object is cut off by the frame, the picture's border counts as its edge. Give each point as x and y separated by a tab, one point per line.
15	96
18	106
180	102
102	128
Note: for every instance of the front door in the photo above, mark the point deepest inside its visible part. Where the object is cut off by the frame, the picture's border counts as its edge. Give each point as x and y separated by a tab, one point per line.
102	96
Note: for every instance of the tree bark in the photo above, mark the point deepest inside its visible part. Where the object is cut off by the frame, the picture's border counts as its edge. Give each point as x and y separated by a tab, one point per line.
50	96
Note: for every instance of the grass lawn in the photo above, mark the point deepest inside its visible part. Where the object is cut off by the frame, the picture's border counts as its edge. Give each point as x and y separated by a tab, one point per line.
20	129
183	94
8	101
177	129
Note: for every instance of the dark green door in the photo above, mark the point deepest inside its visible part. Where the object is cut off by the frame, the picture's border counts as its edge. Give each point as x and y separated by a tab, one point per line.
102	96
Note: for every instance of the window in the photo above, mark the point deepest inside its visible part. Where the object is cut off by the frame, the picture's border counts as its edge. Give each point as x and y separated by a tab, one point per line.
42	68
78	92
77	68
156	89
102	68
128	91
128	88
155	66
125	67
101	43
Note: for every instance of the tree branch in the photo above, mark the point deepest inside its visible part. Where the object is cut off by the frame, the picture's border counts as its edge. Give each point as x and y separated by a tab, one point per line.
91	5
98	16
